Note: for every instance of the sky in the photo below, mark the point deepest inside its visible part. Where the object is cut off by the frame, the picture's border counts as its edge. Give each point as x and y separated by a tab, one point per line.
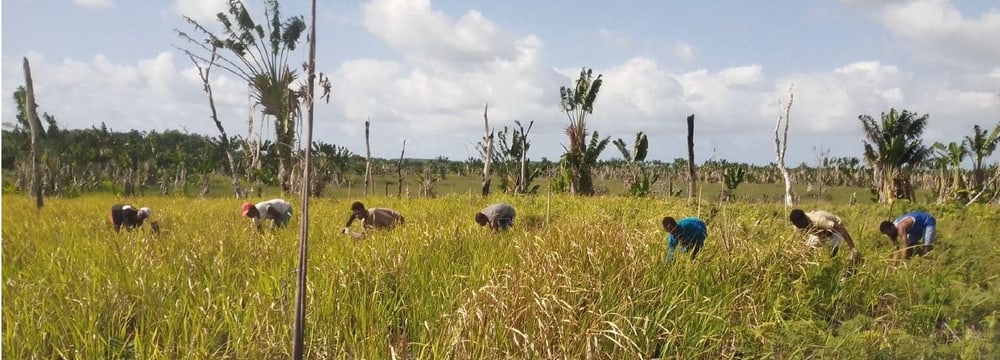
422	70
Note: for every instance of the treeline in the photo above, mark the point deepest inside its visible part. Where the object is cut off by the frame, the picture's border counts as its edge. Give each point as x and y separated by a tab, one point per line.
101	159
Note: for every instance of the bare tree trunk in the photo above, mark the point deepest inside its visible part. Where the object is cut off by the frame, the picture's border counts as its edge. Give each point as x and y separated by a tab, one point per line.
224	141
206	184
369	184
986	186
35	125
299	329
691	175
781	144
399	171
522	184
488	138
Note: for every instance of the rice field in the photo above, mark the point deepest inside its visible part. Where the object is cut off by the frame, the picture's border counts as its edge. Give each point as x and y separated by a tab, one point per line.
576	278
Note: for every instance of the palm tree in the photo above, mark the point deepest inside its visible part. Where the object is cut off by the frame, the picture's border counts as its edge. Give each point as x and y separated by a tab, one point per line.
578	102
981	145
258	54
892	149
951	157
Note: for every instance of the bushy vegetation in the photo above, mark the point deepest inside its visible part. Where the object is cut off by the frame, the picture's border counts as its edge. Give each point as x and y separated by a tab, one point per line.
575	278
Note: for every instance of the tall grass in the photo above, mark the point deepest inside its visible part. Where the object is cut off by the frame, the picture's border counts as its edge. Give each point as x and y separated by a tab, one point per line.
592	283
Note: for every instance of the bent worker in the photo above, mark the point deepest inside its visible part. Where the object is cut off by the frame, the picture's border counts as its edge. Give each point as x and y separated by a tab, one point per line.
277	210
909	229
374	218
499	216
689	232
128	216
824	228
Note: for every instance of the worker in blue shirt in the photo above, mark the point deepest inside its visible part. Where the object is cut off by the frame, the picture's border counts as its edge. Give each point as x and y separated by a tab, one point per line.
909	229
688	233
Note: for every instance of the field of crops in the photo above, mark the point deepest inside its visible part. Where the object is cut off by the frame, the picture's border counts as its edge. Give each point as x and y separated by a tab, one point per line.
576	278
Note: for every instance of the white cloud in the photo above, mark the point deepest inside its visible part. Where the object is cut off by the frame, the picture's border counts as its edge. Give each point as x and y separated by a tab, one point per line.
683	51
201	10
95	4
431	88
412	27
614	39
151	94
938	30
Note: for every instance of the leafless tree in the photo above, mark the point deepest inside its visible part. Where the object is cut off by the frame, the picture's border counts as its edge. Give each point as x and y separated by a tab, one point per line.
203	73
36	126
488	157
781	144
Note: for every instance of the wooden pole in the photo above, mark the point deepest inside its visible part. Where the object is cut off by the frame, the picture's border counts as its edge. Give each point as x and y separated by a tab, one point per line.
369	185
298	335
691	175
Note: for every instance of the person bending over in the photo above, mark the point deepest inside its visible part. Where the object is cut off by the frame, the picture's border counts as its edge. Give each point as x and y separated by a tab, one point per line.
909	229
498	216
125	215
374	218
277	210
688	233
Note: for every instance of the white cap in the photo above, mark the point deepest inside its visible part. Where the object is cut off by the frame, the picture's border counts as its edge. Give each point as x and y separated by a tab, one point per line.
145	211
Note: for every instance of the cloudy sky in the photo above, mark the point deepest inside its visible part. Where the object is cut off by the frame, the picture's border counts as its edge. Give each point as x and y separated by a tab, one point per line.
422	70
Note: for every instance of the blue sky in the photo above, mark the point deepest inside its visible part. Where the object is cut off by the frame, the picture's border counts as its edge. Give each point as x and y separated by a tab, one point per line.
421	70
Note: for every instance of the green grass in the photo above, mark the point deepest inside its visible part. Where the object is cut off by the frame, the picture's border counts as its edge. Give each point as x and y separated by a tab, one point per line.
576	278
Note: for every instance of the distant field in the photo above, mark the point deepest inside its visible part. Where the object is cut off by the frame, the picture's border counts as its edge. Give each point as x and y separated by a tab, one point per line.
576	278
465	185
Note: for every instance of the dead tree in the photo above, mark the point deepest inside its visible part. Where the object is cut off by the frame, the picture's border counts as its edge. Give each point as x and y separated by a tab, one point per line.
203	73
488	157
369	184
36	126
691	175
522	183
399	171
781	144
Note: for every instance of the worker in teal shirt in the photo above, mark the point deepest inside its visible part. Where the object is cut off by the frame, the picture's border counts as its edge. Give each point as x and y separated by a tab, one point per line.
911	228
688	233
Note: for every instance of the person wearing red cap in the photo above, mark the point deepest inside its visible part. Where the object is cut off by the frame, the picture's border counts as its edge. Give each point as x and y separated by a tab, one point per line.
128	216
277	210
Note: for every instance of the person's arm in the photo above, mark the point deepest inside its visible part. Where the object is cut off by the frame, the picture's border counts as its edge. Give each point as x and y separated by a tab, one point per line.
671	245
351	219
697	247
902	228
840	229
257	224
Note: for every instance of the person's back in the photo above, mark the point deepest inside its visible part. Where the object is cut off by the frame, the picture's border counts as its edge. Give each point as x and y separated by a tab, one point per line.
689	232
921	220
499	216
125	215
278	211
382	218
281	209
